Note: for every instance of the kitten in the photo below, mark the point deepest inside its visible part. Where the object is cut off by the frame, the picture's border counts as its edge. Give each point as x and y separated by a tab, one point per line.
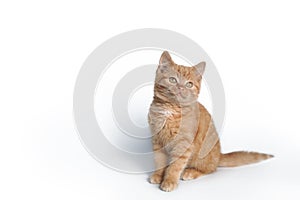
184	138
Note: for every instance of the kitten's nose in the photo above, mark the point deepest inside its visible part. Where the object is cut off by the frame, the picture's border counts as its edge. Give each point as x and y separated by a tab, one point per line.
180	87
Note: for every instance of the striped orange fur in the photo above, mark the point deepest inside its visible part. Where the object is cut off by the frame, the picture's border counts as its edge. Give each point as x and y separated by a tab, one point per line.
185	141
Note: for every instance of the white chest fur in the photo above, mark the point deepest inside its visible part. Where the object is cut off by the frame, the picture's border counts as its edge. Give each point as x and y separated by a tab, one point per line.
157	118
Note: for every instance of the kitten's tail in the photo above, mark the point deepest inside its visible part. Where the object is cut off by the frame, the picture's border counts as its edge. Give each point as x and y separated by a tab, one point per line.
239	158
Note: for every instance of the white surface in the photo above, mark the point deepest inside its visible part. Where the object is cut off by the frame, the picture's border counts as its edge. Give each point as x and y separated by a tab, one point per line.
254	45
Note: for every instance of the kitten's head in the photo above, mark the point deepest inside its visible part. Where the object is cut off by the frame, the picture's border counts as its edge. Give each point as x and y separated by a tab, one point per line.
177	84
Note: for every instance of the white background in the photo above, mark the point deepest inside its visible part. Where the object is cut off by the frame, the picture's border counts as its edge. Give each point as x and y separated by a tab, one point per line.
254	44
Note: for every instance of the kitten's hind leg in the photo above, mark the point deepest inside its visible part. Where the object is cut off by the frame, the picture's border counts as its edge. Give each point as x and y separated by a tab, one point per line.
190	174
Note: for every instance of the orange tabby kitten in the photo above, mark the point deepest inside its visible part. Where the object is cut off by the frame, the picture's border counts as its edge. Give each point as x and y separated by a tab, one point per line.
185	141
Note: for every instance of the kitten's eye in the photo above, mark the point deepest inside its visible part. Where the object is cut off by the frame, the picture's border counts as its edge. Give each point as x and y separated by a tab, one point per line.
172	80
189	84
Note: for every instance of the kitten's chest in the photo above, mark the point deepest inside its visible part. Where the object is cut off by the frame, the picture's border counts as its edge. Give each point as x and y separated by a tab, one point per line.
166	123
163	120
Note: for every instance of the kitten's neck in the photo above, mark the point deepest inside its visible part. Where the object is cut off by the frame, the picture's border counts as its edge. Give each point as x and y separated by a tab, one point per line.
159	101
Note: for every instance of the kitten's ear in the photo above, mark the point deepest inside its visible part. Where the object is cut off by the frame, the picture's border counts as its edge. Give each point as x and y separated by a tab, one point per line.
164	62
199	68
165	58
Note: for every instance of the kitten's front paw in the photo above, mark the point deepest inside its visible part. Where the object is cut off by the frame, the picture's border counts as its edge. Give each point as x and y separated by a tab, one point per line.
168	185
190	174
155	178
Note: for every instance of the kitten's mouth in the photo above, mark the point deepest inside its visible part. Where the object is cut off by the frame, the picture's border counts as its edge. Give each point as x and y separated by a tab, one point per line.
181	95
178	94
